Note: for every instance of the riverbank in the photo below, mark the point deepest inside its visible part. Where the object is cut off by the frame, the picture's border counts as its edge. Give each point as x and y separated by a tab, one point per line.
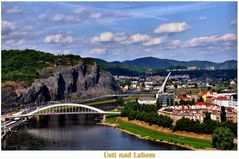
147	132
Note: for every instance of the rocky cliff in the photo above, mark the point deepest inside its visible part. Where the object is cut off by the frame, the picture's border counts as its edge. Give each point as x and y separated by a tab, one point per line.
61	82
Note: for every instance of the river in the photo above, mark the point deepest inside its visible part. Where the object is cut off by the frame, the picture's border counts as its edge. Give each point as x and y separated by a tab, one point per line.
75	133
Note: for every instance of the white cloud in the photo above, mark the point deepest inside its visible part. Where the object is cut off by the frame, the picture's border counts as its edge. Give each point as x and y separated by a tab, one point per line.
62	17
8	26
95	16
98	51
233	22
14	10
103	37
21	42
202	18
176	42
210	39
154	41
14	30
136	38
120	37
139	38
13	42
59	38
9	42
79	10
172	28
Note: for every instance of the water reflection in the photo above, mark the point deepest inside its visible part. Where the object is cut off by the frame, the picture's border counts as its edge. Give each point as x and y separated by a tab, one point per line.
76	132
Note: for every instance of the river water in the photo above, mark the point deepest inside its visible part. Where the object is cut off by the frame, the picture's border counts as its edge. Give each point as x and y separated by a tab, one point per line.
77	133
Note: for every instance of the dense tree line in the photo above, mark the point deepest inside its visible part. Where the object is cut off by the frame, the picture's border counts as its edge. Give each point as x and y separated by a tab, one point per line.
146	113
206	127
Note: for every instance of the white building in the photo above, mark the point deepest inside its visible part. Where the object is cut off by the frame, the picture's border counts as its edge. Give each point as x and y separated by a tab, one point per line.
147	101
225	99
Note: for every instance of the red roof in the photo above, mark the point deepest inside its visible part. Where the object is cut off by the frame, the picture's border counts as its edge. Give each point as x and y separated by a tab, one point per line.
200	103
200	95
209	96
210	91
221	97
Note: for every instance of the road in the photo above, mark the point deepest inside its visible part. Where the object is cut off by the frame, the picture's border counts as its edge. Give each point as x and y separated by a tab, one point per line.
9	126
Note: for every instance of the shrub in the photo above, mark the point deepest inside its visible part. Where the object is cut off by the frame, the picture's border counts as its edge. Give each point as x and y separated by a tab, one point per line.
222	138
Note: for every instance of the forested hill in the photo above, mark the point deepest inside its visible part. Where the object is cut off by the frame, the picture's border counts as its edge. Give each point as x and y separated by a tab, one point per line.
152	62
23	65
30	76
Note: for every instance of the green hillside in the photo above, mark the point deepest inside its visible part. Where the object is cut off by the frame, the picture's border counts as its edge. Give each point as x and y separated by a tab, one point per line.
123	69
22	65
152	62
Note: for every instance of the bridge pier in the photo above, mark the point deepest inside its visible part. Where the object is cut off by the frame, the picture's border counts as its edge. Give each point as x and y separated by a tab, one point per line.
104	118
37	118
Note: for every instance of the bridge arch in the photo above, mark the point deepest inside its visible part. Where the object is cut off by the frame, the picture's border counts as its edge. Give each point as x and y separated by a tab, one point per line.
90	108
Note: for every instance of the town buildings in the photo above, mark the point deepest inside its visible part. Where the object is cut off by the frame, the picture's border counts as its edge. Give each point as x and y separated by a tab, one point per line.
197	112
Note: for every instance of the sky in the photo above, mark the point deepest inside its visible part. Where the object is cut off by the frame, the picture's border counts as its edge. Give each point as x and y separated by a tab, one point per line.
118	31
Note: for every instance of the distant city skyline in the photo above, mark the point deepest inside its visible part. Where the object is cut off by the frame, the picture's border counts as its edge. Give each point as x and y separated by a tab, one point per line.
119	31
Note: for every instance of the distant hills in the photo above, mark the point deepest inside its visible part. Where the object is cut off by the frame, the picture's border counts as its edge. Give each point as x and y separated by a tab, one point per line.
23	64
153	62
154	65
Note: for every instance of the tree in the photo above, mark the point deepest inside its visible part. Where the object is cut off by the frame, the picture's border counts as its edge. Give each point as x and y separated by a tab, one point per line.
196	85
126	82
232	126
182	102
207	117
132	115
175	86
200	99
193	102
137	100
222	138
223	114
167	102
158	104
120	101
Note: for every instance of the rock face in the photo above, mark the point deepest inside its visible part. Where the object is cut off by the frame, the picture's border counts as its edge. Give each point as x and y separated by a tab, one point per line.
10	93
78	81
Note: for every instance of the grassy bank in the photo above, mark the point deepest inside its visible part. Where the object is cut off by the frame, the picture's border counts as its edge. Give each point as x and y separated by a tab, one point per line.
160	136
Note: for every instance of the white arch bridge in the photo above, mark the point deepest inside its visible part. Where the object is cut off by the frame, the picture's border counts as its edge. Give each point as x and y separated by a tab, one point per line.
63	108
